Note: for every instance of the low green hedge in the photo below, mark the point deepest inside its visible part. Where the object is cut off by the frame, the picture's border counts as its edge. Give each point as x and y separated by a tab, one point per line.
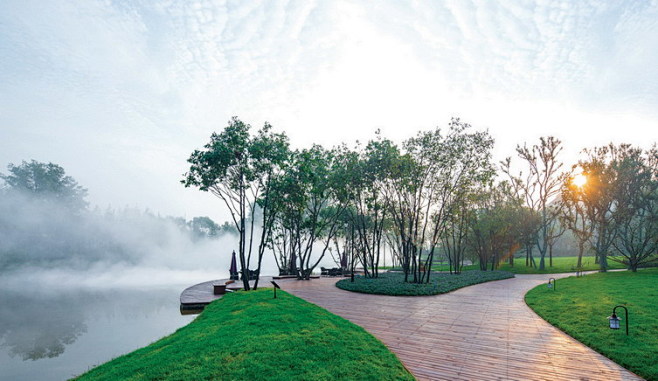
440	283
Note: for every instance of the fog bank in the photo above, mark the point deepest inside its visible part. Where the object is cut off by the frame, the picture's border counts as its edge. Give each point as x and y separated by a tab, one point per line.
41	239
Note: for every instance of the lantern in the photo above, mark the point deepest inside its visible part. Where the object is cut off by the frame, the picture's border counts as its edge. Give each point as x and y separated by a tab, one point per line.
614	321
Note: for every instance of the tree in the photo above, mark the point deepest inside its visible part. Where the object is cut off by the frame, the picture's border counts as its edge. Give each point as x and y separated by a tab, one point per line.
238	169
454	238
308	207
556	228
637	209
539	187
47	182
342	248
203	227
227	228
494	232
600	196
529	222
616	207
435	172
365	173
271	155
574	215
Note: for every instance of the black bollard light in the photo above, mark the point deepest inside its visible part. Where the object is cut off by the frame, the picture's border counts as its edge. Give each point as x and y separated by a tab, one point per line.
275	287
551	283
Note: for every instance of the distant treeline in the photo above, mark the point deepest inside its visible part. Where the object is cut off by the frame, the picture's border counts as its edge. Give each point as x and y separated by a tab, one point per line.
45	221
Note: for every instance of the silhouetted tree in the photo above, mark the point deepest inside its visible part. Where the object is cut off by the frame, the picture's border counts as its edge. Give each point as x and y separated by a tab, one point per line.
45	181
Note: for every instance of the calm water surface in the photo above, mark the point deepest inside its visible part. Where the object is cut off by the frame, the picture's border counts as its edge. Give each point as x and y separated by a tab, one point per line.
56	324
56	334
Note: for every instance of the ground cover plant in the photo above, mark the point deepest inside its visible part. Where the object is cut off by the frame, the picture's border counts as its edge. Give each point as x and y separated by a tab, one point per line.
435	267
251	336
579	307
560	265
440	283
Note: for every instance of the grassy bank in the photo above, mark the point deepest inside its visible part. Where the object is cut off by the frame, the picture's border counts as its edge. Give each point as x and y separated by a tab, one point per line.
393	283
560	265
579	306
250	336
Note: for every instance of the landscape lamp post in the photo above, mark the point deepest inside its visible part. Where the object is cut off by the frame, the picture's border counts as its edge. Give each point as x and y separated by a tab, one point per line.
614	320
551	283
275	287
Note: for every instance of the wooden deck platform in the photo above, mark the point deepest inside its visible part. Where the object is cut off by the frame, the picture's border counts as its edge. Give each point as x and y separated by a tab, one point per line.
194	298
481	332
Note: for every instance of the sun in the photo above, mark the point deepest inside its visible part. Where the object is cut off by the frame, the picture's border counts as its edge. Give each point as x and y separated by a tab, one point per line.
579	180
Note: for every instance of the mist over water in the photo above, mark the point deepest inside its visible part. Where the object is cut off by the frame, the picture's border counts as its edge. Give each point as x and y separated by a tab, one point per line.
40	239
42	233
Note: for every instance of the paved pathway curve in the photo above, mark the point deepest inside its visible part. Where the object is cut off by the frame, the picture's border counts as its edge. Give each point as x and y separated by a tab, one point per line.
481	332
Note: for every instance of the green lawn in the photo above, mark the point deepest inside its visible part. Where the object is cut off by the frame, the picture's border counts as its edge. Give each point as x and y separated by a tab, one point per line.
393	283
560	265
251	336
579	306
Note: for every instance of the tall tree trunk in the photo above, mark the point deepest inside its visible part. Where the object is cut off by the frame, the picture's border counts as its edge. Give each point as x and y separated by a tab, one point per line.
550	255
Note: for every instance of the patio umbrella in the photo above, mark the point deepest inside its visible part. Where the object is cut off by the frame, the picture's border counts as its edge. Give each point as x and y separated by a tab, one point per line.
293	264
234	266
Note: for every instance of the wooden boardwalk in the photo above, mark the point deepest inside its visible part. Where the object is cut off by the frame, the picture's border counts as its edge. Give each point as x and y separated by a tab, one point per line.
481	332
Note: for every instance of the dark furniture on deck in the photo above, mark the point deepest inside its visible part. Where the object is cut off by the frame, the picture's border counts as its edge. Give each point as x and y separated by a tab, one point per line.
336	271
219	289
252	274
284	271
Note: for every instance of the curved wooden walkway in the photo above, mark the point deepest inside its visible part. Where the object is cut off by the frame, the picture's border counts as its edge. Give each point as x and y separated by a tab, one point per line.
481	332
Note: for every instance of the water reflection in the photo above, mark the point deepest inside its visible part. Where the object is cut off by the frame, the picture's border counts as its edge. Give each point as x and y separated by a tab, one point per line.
39	326
57	334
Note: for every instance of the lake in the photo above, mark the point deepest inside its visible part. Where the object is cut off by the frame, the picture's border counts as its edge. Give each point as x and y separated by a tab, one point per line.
50	331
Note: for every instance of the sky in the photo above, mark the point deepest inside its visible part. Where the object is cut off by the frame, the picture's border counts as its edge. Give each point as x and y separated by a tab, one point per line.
119	93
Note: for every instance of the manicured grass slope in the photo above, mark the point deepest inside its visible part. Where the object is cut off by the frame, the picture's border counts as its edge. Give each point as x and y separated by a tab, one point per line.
440	283
560	265
250	336
579	306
